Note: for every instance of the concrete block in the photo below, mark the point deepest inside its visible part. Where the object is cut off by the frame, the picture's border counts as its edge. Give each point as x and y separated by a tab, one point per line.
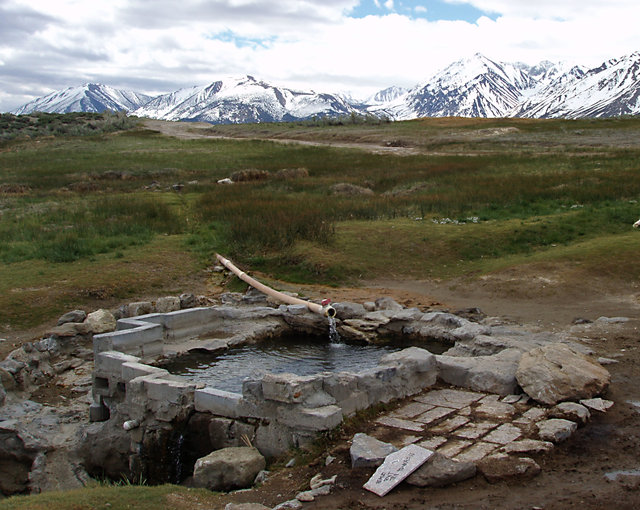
290	388
273	439
218	402
165	390
108	364
129	337
131	370
320	418
378	384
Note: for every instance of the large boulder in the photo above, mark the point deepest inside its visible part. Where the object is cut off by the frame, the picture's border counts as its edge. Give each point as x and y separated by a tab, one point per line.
555	373
228	469
501	467
101	321
367	451
439	471
492	374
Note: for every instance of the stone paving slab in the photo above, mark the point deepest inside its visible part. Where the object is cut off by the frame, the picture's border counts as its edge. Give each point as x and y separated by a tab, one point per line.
467	426
476	452
397	423
433	443
495	410
454	447
411	410
449	425
504	434
533	415
434	414
476	430
455	399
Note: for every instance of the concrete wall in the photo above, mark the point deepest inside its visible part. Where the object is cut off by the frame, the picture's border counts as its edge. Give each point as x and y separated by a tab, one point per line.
284	410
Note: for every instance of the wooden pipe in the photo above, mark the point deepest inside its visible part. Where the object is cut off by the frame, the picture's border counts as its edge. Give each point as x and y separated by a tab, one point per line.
327	310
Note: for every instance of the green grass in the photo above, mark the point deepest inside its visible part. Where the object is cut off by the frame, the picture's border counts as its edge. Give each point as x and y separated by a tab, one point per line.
115	498
77	203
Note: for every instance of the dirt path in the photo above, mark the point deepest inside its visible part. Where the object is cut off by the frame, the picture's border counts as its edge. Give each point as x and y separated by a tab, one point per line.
197	131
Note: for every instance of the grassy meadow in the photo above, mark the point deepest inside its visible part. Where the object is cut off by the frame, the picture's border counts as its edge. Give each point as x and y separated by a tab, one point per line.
92	216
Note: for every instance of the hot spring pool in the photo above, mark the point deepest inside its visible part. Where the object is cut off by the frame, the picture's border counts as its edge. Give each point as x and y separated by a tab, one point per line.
300	356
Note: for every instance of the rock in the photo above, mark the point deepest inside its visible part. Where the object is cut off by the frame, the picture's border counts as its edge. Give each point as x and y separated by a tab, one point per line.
491	374
101	321
245	506
187	301
439	471
597	404
3	395
168	304
317	481
530	446
105	449
367	451
7	381
348	310
140	308
305	497
369	306
71	329
500	467
607	361
554	373
387	303
73	316
16	460
571	411
292	504
556	430
228	469
261	477
612	320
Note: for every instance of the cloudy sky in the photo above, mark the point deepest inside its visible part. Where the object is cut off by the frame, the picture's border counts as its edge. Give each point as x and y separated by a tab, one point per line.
157	46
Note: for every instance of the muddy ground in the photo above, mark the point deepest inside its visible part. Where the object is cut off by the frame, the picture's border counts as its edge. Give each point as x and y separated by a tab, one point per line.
573	474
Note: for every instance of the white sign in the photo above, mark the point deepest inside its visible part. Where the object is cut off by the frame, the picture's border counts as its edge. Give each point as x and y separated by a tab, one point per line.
396	467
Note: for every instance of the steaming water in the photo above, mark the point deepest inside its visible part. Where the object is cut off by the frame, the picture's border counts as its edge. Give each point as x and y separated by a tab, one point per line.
305	356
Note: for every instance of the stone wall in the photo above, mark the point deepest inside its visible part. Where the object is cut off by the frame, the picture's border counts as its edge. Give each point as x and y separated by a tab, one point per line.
164	413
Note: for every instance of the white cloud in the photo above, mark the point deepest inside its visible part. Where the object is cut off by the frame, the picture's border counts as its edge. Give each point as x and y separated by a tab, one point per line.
154	46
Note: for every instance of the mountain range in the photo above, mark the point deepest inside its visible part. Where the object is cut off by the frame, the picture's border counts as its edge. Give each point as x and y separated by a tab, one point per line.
473	87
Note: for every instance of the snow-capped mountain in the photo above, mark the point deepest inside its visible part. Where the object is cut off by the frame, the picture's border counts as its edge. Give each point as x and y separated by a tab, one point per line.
472	87
609	90
245	99
386	96
90	97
